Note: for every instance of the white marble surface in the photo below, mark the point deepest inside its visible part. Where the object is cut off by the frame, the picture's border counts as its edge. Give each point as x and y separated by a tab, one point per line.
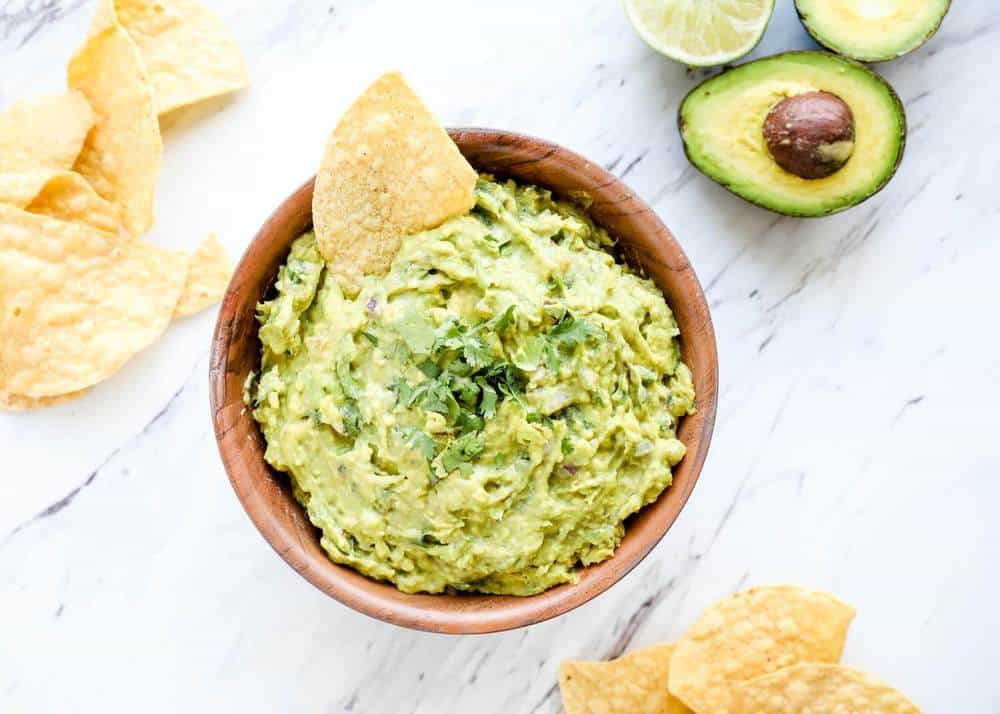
856	446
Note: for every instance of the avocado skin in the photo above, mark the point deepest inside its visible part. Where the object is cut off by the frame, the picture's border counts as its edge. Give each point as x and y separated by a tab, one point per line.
819	39
897	104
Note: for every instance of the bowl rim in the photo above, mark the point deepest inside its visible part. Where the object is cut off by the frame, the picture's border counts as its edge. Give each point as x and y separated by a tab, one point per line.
385	602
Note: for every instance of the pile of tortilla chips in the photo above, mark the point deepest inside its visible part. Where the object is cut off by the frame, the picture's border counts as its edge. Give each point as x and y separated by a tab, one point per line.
80	294
767	650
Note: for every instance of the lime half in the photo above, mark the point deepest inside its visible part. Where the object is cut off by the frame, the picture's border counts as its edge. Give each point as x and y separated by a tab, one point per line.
700	33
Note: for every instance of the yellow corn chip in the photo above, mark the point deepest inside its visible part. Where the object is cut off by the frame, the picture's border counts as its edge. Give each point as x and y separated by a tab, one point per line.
76	303
20	189
819	689
188	53
68	197
44	133
633	684
19	402
754	633
121	156
60	194
389	170
207	277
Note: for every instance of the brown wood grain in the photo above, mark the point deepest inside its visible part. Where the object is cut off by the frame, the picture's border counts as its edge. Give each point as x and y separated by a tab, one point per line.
266	494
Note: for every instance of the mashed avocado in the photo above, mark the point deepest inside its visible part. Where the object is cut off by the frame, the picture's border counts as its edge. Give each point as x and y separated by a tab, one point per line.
485	416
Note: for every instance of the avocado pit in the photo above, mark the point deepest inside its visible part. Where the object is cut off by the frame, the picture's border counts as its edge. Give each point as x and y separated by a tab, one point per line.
810	135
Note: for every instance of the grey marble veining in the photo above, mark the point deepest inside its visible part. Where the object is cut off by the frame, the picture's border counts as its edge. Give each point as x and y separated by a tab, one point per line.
854	449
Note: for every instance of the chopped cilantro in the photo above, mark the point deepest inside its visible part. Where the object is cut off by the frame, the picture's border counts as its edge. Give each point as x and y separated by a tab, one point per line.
349	385
464	449
371	337
420	440
569	332
352	417
403	390
477	353
429	368
567	446
488	400
502	321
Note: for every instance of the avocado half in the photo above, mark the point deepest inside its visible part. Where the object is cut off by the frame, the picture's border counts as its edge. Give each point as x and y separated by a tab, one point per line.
722	124
872	31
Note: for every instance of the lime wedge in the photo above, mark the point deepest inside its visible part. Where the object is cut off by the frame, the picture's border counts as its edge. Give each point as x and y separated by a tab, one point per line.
700	33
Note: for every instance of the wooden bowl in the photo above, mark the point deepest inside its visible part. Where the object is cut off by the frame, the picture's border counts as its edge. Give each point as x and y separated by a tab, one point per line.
267	495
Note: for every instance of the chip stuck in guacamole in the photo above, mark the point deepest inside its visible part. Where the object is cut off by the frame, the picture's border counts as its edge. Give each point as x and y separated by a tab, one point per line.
486	415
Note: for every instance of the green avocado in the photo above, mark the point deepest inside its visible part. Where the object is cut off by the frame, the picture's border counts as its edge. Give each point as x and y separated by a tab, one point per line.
872	31
836	132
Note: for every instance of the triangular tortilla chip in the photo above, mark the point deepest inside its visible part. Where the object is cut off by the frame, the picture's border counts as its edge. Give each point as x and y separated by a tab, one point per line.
44	133
60	194
819	689
753	633
188	53
389	170
77	302
121	156
207	277
633	684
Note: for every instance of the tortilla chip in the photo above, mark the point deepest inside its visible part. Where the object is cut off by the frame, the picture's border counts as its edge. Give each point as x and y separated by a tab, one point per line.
77	302
18	402
20	189
60	194
389	170
121	156
207	278
68	197
188	53
751	634
44	133
819	689
633	684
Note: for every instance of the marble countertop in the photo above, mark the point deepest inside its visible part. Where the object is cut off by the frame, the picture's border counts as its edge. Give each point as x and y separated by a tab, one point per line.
855	450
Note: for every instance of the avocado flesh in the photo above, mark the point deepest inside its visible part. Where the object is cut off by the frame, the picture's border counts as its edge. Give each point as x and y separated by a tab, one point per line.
721	122
872	30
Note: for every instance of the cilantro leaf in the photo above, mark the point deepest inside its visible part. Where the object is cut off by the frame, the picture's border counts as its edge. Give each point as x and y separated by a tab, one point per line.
502	321
349	385
488	400
352	418
569	332
464	449
403	390
567	446
477	353
371	337
420	440
435	396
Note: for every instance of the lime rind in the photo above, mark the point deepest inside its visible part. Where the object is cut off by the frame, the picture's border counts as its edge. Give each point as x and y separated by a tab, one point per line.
750	30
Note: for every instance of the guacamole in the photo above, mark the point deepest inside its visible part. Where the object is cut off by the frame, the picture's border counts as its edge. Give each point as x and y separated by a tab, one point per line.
486	415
